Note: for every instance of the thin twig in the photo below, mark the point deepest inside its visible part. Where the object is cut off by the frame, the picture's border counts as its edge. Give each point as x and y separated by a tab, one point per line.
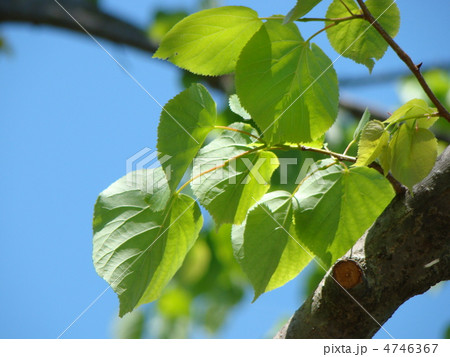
226	162
239	131
345	5
406	59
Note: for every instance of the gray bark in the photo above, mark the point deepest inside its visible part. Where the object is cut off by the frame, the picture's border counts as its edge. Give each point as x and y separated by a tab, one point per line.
404	253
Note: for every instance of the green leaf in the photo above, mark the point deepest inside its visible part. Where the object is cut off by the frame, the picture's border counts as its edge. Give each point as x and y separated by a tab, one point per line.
300	9
209	42
414	108
357	39
385	159
288	86
413	154
374	139
227	191
141	235
336	206
362	123
237	108
264	246
185	122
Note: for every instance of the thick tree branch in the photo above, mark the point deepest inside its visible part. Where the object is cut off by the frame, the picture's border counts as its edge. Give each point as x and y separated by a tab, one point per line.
415	69
404	253
96	22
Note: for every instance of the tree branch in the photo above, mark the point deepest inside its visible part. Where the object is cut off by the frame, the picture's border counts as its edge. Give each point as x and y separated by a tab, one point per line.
96	22
404	253
415	69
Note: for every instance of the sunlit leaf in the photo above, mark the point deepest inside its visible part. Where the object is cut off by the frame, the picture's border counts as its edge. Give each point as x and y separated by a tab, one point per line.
357	39
209	42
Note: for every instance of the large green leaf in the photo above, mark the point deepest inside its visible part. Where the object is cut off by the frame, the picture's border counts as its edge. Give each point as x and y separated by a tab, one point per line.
141	235
414	108
228	187
357	39
264	246
336	206
300	9
413	154
185	122
374	139
209	42
288	86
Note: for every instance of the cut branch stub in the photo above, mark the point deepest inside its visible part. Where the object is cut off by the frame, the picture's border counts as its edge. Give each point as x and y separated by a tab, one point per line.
348	273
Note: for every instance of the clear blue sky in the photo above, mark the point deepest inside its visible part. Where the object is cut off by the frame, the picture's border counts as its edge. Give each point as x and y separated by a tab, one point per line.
69	119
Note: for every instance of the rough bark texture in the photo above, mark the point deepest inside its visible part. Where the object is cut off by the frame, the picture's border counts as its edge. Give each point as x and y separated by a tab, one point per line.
403	254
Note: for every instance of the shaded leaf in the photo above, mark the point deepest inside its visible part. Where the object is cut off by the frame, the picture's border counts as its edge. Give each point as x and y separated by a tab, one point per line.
227	192
209	42
336	206
413	154
141	236
236	107
362	123
264	246
288	86
185	122
357	39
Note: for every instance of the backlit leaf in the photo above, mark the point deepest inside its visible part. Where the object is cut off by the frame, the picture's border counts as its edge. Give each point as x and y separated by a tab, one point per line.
300	9
228	187
357	39
413	154
374	139
185	122
209	42
265	244
414	108
336	206
288	86
362	123
142	235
